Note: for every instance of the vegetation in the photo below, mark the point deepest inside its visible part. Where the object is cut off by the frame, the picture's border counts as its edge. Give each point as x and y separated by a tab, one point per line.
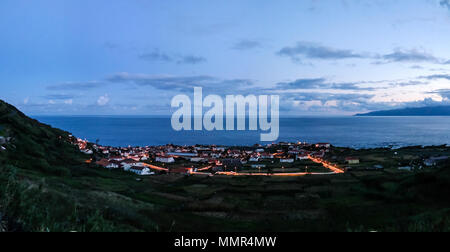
46	186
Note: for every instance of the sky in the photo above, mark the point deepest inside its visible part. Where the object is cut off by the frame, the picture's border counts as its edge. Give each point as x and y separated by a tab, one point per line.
131	57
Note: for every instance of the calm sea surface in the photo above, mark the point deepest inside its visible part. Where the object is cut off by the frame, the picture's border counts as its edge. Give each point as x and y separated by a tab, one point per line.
357	132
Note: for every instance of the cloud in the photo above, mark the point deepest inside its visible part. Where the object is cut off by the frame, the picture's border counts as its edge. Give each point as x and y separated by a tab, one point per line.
414	55
67	99
183	83
58	97
325	97
320	96
314	51
246	45
445	93
445	4
191	60
103	100
302	84
437	76
348	86
407	83
76	85
157	56
318	83
324	102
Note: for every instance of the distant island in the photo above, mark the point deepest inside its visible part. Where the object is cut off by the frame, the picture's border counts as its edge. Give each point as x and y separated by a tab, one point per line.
423	111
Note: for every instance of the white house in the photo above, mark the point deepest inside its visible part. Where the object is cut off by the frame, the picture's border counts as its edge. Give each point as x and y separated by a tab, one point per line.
254	159
87	152
142	171
323	145
302	157
117	158
258	166
197	159
287	160
267	156
127	164
166	160
113	165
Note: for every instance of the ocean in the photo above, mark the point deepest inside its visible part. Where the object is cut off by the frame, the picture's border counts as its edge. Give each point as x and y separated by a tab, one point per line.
355	132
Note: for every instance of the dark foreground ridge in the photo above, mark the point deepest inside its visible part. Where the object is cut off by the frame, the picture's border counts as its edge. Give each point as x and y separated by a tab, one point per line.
424	111
48	184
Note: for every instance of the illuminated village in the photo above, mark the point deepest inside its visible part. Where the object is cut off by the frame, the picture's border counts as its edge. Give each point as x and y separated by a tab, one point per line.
277	159
282	159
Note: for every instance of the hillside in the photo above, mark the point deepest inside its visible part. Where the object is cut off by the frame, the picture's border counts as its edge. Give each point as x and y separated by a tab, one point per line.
36	159
424	111
46	186
33	145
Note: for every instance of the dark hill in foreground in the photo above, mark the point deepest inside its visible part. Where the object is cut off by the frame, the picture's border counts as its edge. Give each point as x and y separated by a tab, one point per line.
45	185
424	111
33	145
38	165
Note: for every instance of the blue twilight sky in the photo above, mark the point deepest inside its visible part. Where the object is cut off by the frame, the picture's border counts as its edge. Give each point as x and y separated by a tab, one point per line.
130	57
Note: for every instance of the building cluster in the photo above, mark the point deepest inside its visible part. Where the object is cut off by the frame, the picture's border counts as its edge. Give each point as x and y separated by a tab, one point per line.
147	160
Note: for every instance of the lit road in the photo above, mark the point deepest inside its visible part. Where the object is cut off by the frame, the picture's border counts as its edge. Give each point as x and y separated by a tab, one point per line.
334	170
201	171
156	167
204	169
327	165
298	174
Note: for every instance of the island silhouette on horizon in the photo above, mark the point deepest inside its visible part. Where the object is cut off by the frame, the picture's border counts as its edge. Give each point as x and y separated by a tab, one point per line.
422	111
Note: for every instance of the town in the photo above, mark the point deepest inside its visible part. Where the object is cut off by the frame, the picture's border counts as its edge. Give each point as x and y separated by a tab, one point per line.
277	159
